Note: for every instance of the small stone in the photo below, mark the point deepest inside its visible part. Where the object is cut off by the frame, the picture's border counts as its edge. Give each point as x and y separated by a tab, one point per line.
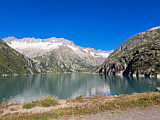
158	89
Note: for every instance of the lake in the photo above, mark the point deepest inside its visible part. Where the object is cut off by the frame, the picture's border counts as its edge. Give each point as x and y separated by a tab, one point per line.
24	88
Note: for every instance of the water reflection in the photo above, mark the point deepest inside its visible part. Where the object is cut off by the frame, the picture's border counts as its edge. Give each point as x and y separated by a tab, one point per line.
26	87
127	85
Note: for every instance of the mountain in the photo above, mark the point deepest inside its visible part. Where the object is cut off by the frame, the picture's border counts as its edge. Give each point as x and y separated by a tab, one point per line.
12	62
138	56
58	54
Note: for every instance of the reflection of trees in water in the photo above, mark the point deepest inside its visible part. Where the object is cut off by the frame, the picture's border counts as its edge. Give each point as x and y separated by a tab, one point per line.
128	85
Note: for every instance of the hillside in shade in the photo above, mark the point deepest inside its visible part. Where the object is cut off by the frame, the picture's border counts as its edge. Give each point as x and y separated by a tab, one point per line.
12	62
138	56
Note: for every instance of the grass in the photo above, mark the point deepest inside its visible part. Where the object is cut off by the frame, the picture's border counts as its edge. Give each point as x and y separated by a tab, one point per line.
43	102
1	111
93	105
79	98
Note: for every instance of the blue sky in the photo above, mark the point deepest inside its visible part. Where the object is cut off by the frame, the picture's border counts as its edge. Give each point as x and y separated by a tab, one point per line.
100	24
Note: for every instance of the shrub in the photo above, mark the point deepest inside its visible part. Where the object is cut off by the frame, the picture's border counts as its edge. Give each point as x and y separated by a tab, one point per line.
47	101
79	98
28	105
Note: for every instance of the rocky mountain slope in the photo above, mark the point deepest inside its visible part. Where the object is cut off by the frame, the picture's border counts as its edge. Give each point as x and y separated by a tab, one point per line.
58	54
138	56
12	62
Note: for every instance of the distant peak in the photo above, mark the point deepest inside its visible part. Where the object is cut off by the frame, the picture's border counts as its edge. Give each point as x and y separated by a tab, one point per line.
28	38
155	28
11	37
52	38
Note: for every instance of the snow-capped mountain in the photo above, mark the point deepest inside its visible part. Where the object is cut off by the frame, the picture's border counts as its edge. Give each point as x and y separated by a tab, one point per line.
32	47
58	54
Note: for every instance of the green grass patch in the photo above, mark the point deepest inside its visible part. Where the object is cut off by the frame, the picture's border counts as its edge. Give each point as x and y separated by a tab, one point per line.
43	102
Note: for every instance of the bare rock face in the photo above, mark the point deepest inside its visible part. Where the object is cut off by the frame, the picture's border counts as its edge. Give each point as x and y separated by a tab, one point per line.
58	54
138	56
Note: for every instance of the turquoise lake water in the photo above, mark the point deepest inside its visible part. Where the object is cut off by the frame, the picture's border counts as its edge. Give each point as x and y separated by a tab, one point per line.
24	88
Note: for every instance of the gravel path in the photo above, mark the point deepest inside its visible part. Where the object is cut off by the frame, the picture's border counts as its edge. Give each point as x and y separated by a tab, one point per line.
151	113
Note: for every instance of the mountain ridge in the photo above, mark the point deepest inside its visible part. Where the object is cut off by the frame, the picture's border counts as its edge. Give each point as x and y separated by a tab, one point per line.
51	43
138	56
58	54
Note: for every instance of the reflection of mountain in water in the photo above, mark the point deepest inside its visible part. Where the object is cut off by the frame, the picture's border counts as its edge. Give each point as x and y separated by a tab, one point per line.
127	85
70	85
60	85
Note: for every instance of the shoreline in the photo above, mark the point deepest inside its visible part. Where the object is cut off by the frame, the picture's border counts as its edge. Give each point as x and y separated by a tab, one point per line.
83	106
120	75
5	75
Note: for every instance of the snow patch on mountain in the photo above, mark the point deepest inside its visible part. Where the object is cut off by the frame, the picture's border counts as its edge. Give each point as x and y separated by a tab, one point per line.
105	54
32	47
85	50
39	45
73	48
